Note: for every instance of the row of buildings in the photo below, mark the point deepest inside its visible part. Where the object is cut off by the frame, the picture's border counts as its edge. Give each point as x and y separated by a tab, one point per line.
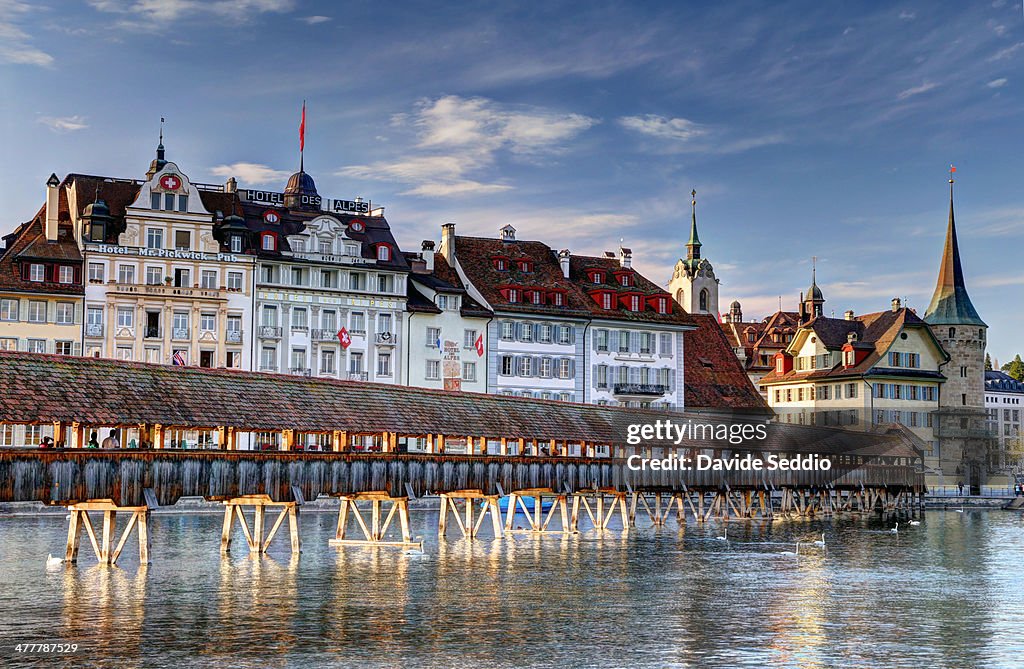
161	269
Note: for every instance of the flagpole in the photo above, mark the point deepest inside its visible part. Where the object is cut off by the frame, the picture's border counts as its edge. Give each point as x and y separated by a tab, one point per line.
302	138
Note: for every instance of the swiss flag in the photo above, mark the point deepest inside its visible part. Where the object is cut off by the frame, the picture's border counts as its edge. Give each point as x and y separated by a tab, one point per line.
479	343
344	338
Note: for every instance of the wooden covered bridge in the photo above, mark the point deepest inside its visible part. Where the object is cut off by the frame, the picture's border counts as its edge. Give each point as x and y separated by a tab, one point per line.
384	444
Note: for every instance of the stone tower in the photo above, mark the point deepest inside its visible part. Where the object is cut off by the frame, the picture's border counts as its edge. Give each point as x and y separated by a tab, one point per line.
694	285
961	439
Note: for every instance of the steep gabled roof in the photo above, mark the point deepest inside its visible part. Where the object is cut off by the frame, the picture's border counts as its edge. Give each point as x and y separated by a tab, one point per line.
951	305
28	243
714	377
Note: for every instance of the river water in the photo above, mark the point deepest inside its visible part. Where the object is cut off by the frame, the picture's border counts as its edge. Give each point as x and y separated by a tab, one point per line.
946	593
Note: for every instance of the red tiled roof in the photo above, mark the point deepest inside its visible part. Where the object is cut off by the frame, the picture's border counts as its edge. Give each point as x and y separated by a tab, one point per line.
578	266
29	243
714	377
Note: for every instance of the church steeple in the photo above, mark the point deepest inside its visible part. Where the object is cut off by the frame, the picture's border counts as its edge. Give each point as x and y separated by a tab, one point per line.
951	305
812	305
693	245
159	162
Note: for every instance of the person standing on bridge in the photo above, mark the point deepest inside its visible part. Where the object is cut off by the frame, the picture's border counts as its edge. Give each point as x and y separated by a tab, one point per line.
93	443
112	440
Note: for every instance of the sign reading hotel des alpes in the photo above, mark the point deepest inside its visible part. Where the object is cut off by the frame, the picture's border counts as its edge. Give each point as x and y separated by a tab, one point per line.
173	254
272	198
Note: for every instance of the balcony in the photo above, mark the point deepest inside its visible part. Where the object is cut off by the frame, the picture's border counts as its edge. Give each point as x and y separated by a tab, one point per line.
639	389
169	291
385	338
94	330
300	371
268	368
152	333
180	334
357	376
234	336
323	335
270	332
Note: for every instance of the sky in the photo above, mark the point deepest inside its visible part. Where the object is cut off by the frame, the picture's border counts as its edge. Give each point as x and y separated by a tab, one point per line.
808	129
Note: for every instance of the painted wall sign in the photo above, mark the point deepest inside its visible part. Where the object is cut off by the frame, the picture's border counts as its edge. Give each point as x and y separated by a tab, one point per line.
170	182
272	198
162	253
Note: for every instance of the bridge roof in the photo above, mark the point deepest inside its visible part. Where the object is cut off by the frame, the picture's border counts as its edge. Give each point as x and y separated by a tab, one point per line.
41	388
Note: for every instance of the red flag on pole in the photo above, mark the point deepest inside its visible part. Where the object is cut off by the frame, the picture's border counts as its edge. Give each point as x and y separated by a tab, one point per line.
344	338
479	344
302	128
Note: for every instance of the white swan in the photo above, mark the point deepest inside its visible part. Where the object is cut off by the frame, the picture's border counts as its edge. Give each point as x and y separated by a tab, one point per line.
822	542
53	561
960	510
895	530
725	537
915	522
797	553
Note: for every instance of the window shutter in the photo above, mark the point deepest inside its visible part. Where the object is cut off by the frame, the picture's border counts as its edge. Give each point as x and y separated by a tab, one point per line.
593	340
672	380
634	341
536	332
572	368
550	367
572	334
613	341
596	377
518	331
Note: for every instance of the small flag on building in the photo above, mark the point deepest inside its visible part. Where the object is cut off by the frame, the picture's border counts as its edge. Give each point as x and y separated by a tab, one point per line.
344	338
178	359
302	128
438	342
479	343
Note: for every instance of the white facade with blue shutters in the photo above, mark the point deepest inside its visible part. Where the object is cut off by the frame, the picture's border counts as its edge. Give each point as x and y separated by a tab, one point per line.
634	365
536	357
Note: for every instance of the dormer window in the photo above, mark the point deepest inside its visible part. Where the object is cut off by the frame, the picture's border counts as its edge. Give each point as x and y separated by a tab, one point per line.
535	297
558	299
633	302
500	263
513	295
661	305
596	276
269	242
626	280
780	366
606	300
298	245
236	243
383	252
525	265
97	231
324	247
848	358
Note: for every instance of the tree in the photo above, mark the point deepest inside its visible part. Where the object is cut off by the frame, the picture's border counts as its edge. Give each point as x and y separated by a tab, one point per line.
1015	368
988	362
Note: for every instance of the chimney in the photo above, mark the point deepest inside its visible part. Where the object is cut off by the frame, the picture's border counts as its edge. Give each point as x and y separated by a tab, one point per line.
52	207
428	254
851	336
448	242
895	304
848	314
563	261
231	186
625	257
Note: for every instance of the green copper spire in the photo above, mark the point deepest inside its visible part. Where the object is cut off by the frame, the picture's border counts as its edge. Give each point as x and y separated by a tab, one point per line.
693	246
951	305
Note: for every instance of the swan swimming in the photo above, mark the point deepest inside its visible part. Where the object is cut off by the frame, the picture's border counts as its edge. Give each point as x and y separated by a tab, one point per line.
725	537
797	553
822	542
53	561
915	522
895	530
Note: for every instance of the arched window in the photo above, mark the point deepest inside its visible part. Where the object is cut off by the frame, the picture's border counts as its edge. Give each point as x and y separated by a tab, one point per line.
952	332
269	241
384	252
704	299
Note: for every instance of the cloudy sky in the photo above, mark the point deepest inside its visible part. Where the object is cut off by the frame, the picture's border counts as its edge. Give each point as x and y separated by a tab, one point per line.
808	129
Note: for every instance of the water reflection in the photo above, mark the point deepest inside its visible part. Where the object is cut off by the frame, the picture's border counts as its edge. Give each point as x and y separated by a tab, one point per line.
941	594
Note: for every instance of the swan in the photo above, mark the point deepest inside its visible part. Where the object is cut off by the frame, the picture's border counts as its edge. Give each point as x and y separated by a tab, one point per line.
724	537
53	561
822	542
797	553
960	510
915	522
895	530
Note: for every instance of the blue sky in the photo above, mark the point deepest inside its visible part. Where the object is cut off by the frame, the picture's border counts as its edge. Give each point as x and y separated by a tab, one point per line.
808	129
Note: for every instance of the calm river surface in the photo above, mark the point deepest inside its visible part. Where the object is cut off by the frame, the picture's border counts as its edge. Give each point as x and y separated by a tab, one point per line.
946	593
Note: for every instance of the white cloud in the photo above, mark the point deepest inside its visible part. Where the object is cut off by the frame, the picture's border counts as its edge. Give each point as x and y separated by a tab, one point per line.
678	129
1003	54
64	123
997	83
15	44
456	138
251	173
313	20
916	90
154	15
908	16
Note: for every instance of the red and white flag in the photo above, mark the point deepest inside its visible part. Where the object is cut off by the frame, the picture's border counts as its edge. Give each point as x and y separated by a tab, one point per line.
479	343
302	128
344	338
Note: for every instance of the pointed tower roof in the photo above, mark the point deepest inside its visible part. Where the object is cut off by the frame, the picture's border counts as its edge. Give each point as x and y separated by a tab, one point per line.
693	245
951	305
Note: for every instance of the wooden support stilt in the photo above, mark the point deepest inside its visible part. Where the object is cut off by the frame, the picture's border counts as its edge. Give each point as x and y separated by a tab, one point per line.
470	528
537	522
376	533
105	548
233	510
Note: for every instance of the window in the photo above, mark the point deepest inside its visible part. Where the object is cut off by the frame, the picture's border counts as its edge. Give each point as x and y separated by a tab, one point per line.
513	295
8	343
536	297
154	200
606	300
324	247
328	320
704	299
299	321
154	276
383	252
37	346
564	334
525	332
234	281
597	277
208	278
508	331
525	366
63	347
634	302
558	299
234	324
298	359
169	201
96	272
8	309
384	323
182	240
564	368
298	245
525	266
326	362
383	364
851	391
506	365
36	311
357	281
433	337
36	272
358	322
545	333
626	280
385	283
351	249
665	344
207	322
433	369
328	278
661	305
66	274
469	371
601	376
298	276
469	339
267	272
154	238
236	243
355	363
234	360
646	343
269	315
269	242
545	368
65	313
624	341
94	317
268	358
182	277
500	264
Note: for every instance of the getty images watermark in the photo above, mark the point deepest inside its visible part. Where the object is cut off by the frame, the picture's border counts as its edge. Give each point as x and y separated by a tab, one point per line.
665	430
